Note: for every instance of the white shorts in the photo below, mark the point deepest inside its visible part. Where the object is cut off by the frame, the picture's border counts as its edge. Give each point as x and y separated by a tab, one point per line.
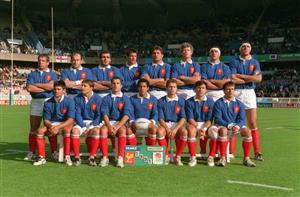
158	93
200	125
102	94
37	105
185	93
129	94
55	124
215	94
89	126
171	125
247	96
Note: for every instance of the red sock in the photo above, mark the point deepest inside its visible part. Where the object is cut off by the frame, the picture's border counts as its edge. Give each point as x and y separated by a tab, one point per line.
113	144
222	141
94	145
88	143
104	146
255	138
67	143
177	143
121	145
203	142
53	143
212	147
32	142
40	142
131	140
75	143
192	147
247	143
150	141
232	143
180	149
218	148
163	142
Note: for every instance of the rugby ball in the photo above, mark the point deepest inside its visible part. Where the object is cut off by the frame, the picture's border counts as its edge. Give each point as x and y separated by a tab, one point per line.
142	123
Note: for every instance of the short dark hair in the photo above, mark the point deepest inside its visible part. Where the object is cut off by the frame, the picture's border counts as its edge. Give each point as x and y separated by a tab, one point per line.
227	84
45	56
89	82
60	83
129	51
114	78
104	52
143	81
171	81
156	47
76	53
200	83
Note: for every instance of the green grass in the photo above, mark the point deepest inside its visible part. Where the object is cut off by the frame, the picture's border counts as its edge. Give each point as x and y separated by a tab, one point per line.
281	167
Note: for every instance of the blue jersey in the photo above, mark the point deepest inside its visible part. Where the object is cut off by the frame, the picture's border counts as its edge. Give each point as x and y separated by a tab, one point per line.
105	74
200	111
185	69
215	71
245	67
171	110
75	75
144	107
131	75
116	107
41	77
88	109
59	111
157	71
226	113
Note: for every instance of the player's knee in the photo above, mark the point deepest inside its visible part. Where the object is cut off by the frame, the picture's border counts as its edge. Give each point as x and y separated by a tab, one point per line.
41	131
213	132
75	131
222	132
245	132
182	131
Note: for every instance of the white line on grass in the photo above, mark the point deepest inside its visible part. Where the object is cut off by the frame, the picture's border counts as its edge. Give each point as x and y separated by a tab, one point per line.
274	128
12	152
260	185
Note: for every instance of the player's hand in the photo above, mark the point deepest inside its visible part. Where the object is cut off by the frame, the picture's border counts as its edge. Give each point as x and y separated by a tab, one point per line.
112	130
54	130
202	133
235	129
85	132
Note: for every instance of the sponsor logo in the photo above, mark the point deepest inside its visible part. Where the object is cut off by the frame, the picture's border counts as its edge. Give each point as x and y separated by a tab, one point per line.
93	106
192	69
48	77
177	109
155	148
150	106
236	109
129	157
251	67
83	75
120	105
111	74
162	72
219	71
157	158
205	108
64	110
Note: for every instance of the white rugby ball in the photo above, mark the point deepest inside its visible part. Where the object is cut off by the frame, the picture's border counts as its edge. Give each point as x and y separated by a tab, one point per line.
142	123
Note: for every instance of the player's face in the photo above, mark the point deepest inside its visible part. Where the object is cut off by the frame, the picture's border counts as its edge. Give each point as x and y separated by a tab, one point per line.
116	86
214	54
86	89
229	92
58	91
76	61
172	89
245	49
132	59
43	63
157	56
200	90
143	89
105	59
187	53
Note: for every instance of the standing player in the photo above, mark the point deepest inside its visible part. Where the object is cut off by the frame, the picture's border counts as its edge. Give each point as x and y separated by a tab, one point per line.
116	110
74	76
145	107
186	72
131	73
245	73
88	120
103	74
229	114
59	115
171	115
157	73
39	85
199	115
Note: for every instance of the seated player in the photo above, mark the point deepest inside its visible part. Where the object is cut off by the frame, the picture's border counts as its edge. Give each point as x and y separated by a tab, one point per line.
229	114
145	111
59	115
199	115
116	110
171	115
88	121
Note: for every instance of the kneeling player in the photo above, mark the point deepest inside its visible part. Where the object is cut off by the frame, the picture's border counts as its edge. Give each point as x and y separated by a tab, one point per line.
171	115
199	114
145	112
116	109
229	114
59	114
88	118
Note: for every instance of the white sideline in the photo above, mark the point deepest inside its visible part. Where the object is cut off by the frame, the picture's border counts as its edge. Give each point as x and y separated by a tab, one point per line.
260	185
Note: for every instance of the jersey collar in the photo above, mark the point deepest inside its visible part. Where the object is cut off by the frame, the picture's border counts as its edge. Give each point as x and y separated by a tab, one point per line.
172	99
147	97
131	66
250	57
117	95
103	68
162	63
57	101
197	100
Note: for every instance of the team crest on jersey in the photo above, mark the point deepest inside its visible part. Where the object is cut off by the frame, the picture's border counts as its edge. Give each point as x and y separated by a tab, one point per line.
120	105
64	110
177	109
83	75
137	73
205	108
219	71
48	77
192	69
129	157
236	109
251	67
150	106
93	106
111	74
162	72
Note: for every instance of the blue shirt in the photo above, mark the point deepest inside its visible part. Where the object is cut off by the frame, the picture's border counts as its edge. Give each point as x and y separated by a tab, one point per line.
75	75
245	67
200	111
88	109
116	107
144	107
215	71
131	75
171	110
41	77
59	111
187	69
226	113
105	74
157	71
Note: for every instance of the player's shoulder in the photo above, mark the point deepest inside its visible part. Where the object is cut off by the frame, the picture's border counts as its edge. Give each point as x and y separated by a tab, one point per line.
181	99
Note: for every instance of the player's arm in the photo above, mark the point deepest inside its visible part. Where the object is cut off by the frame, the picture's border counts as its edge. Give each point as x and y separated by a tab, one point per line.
122	122
99	86
153	81
210	85
219	83
180	124
34	89
45	86
190	80
237	80
251	78
73	84
191	121
160	84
